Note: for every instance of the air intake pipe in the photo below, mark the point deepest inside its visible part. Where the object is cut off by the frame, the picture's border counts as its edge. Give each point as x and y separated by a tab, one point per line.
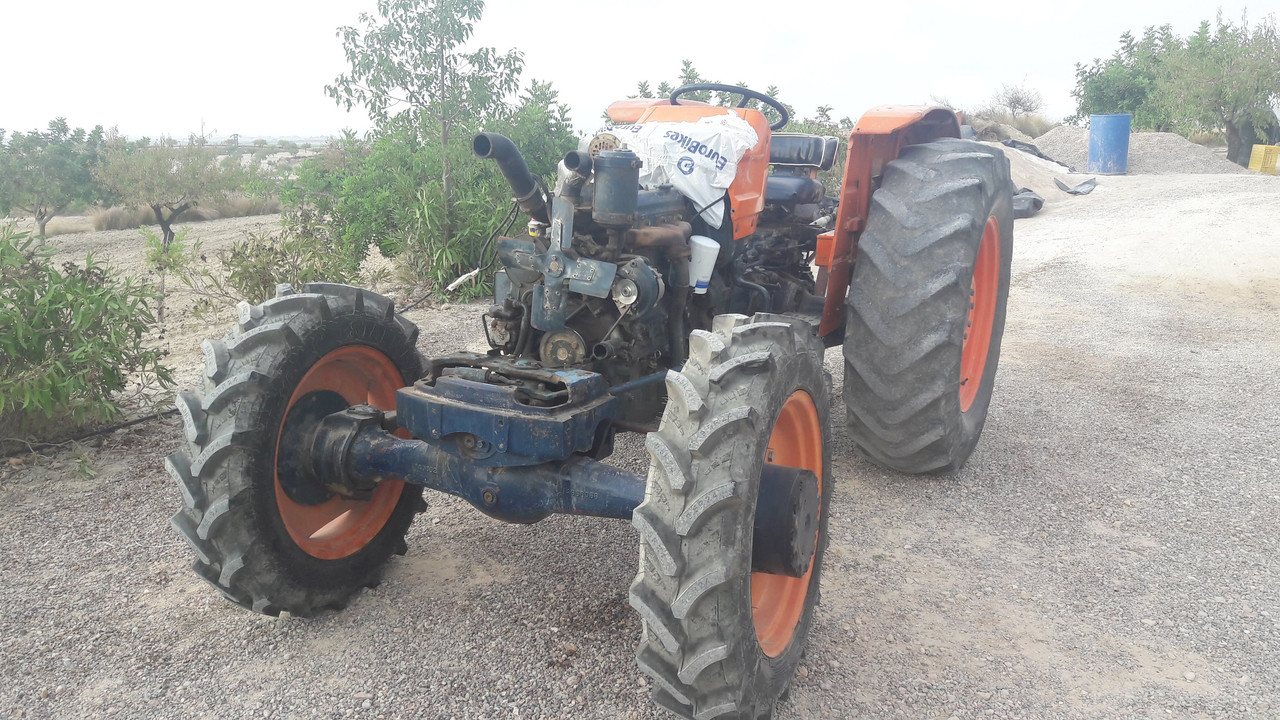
527	190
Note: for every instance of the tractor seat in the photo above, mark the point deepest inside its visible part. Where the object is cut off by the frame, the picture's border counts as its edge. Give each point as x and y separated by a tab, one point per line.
795	157
796	149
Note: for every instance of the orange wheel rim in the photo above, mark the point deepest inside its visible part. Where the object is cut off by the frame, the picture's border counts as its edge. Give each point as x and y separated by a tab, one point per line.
339	527
777	601
982	315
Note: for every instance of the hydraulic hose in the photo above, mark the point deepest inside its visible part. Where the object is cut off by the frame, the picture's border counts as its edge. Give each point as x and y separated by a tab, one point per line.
675	320
526	189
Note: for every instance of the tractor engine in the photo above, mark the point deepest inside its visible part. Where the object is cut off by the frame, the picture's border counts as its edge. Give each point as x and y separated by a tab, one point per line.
601	281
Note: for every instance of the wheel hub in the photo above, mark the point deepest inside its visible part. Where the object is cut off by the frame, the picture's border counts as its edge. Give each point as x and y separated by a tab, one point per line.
295	467
786	521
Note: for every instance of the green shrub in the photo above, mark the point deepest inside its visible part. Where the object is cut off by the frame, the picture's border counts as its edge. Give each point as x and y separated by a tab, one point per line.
260	262
72	340
388	190
424	260
251	268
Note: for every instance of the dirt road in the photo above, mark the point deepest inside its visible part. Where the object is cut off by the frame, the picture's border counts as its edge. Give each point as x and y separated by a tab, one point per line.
1111	550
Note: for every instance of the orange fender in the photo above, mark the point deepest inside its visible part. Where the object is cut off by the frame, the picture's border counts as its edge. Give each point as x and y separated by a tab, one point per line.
878	138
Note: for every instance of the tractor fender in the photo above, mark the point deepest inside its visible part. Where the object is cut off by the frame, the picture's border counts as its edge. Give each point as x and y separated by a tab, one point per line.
879	136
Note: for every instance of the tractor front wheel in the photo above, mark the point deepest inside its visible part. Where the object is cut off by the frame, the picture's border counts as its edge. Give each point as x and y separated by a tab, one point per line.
721	638
263	534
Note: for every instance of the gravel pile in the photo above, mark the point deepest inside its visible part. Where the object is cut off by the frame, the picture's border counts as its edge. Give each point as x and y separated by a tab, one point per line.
997	132
1150	153
1037	174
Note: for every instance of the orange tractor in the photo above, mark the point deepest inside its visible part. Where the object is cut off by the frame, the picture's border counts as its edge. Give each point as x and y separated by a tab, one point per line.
629	307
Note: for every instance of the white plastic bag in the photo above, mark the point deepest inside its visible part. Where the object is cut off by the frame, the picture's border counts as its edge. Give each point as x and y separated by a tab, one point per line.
699	159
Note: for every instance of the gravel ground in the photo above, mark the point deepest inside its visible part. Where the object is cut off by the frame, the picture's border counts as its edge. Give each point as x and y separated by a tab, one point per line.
1109	551
1150	153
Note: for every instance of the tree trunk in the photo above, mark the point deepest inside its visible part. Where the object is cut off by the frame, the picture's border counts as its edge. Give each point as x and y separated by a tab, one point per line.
166	228
1233	141
1248	138
446	176
165	242
41	221
446	179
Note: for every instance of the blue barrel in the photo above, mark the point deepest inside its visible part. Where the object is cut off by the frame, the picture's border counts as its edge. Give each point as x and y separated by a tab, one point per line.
1109	143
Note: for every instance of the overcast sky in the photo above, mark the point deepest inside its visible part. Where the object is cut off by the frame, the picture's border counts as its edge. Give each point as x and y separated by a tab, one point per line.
155	67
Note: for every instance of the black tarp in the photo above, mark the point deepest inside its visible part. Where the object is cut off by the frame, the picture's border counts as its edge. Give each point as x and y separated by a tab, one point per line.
1030	149
1083	188
1026	203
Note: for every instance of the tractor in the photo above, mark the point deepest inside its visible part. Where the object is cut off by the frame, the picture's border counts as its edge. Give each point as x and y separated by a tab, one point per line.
630	307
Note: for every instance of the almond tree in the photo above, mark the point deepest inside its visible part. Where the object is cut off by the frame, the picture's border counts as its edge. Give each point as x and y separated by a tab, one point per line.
44	172
167	177
170	179
1226	76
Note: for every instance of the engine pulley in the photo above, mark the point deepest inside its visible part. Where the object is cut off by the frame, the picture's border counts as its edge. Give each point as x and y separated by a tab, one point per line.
637	287
562	348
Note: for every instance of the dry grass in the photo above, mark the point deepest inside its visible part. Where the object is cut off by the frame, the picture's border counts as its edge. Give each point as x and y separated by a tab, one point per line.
1032	124
1208	139
127	218
59	225
120	218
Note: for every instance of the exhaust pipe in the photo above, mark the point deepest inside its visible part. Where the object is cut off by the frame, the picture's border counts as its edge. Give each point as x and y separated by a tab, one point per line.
528	191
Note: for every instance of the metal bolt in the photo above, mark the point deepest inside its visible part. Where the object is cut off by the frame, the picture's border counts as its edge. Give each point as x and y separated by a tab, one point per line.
489	497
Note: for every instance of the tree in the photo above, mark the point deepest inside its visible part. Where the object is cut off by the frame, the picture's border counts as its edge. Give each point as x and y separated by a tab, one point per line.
539	125
169	178
42	173
1227	77
387	189
1126	82
409	69
1224	77
1019	99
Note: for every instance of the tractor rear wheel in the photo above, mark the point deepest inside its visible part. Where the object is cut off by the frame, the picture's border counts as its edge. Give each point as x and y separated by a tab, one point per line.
267	539
926	307
722	640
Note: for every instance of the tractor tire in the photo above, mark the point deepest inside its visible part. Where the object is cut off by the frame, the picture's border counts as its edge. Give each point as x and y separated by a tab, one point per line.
719	640
266	541
926	306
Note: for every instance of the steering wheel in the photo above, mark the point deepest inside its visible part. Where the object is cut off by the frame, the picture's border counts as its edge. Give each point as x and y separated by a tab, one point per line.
747	95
